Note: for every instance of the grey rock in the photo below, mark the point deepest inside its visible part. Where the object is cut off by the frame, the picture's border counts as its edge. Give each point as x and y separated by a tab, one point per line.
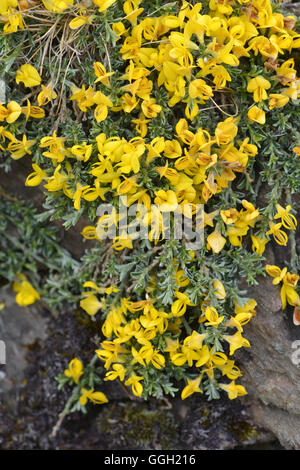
2	91
271	374
19	327
286	424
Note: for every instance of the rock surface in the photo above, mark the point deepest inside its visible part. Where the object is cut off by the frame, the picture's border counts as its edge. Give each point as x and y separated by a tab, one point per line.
19	327
41	346
271	367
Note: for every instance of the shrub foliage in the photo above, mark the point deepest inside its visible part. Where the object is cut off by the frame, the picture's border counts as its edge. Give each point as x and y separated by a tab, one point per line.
164	107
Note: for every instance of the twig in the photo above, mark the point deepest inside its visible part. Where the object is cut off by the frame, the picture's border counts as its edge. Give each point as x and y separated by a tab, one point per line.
7	196
131	397
220	109
64	413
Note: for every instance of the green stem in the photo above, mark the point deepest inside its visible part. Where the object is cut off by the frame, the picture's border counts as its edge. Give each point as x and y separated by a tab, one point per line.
186	325
70	401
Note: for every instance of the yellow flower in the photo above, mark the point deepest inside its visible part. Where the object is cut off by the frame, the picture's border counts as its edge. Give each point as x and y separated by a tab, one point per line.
46	95
136	386
122	241
226	131
276	272
4	134
26	294
172	149
79	21
213	318
82	152
132	11
278	100
291	279
219	289
236	341
258	87
288	295
33	111
216	242
229	216
76	195
181	279
194	341
57	6
279	235
57	181
221	76
129	102
247	307
156	359
233	390
100	72
103	103
235	235
98	398
258	244
191	350
91	194
57	151
288	220
141	124
150	108
119	29
199	89
203	356
117	372
11	17
183	131
166	200
3	113
75	370
28	75
104	4
191	387
155	148
89	232
84	97
90	304
239	320
35	178
13	112
179	306
257	115
19	148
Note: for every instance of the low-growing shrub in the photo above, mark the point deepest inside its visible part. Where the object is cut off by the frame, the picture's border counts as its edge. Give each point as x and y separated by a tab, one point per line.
159	122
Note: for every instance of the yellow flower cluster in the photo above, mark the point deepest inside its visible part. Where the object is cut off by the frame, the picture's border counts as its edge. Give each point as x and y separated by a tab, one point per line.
75	371
192	57
135	329
289	281
11	15
287	221
197	165
26	293
10	113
